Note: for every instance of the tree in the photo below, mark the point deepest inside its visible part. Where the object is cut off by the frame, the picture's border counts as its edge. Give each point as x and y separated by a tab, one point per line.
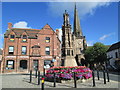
96	53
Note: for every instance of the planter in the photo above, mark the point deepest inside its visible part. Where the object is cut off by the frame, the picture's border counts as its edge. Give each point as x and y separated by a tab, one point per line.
78	81
66	74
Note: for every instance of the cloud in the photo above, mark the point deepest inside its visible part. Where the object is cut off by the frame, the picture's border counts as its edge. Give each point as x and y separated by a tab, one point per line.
106	36
84	8
21	24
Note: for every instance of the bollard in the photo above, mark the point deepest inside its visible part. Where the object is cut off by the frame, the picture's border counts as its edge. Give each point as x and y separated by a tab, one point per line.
54	79
44	71
30	76
108	75
36	73
93	78
38	77
104	76
75	84
98	74
42	83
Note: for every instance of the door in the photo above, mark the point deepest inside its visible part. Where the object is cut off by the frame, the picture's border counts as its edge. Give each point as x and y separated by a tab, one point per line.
35	64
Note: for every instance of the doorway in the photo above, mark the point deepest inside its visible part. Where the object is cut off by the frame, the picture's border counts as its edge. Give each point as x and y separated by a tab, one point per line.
35	64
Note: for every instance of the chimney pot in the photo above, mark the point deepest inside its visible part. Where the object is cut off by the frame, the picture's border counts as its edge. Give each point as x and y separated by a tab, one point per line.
10	25
57	32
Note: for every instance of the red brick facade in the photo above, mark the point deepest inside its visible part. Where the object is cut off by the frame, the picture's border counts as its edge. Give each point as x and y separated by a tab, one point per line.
35	49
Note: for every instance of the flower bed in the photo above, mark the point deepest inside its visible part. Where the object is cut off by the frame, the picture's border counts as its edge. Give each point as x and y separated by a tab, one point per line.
66	73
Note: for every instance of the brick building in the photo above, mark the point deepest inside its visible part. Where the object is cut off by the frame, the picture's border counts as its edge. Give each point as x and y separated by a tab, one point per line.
0	59
30	49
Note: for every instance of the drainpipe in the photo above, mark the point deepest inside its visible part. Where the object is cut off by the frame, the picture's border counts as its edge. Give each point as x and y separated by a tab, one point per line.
17	55
4	66
29	56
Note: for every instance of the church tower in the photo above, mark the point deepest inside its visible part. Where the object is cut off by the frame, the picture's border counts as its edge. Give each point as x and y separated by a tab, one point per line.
77	28
67	43
79	41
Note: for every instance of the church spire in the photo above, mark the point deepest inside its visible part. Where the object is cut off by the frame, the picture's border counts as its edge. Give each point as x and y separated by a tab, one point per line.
77	28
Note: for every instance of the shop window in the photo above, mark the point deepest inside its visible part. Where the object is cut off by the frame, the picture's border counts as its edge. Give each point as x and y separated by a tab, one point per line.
47	39
11	50
10	64
47	50
24	50
23	64
47	64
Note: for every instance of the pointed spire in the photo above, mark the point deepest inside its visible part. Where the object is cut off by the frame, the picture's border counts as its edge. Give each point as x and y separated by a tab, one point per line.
77	28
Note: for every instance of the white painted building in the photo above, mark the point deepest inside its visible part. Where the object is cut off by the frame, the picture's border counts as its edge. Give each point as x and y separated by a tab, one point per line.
114	54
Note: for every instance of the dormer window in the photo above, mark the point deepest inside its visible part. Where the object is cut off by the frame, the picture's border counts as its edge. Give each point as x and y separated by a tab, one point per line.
24	38
47	39
12	37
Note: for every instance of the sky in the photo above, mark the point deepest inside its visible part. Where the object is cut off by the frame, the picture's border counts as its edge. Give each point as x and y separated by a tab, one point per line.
98	20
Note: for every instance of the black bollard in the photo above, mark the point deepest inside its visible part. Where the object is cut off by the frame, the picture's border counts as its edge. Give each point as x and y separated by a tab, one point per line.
104	76
42	83
30	76
98	74
75	84
108	75
54	79
36	73
38	77
93	78
44	71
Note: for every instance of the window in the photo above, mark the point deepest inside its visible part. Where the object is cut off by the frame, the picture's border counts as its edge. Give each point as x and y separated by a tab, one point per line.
10	64
12	37
24	50
23	64
24	38
68	52
47	63
47	39
11	50
72	53
116	54
47	50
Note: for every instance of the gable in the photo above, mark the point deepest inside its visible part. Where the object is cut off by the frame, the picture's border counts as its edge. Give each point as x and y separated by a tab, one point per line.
47	30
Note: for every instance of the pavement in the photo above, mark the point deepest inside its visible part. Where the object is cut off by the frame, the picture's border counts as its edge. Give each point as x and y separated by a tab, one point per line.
22	81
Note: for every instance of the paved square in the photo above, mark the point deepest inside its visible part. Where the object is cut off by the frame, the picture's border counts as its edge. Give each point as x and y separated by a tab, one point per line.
22	81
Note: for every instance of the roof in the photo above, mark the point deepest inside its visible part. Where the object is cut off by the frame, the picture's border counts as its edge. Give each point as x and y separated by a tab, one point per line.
31	33
114	46
20	31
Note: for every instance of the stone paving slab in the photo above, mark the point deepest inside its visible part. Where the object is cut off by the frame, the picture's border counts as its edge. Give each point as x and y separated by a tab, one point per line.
22	81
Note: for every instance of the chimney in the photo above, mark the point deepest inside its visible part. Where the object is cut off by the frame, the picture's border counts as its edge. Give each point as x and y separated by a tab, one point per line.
10	25
57	32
